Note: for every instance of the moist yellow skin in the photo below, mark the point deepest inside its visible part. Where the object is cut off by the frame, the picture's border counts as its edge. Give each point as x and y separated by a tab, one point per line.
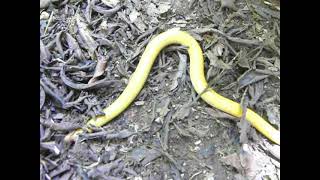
139	77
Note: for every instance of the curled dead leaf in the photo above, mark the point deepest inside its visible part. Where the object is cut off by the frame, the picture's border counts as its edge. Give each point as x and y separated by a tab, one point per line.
100	68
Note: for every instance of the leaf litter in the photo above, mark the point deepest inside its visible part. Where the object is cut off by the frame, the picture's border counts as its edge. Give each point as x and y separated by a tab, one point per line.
89	49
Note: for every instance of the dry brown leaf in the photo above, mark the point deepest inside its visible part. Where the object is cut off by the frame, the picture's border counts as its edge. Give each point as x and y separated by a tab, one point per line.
183	112
219	114
85	34
251	163
232	160
73	45
216	61
44	52
99	70
198	132
163	107
273	113
164	7
181	73
134	15
249	77
243	59
256	91
144	155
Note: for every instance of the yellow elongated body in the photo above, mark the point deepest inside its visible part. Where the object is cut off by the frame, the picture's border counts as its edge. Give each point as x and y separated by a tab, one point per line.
139	77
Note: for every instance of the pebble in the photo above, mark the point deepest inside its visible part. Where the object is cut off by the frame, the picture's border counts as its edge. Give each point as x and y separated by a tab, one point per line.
139	103
104	25
44	15
137	178
197	142
209	176
197	148
158	120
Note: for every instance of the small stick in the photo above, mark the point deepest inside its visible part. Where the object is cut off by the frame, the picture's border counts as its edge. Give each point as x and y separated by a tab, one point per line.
49	22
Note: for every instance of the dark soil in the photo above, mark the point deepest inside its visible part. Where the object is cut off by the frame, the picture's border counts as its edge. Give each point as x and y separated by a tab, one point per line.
89	49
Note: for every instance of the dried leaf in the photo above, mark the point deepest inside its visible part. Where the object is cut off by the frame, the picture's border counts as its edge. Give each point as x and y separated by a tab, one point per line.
164	7
256	164
163	107
134	15
219	50
181	73
209	176
182	131
219	114
206	151
106	12
59	44
74	46
110	153
273	113
144	155
79	86
103	169
256	91
252	163
196	36
165	132
50	89
85	34
111	3
44	52
182	112
107	135
216	62
51	146
244	127
67	175
273	149
140	24
232	160
198	132
243	59
266	12
152	10
100	68
42	97
249	77
62	126
60	170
